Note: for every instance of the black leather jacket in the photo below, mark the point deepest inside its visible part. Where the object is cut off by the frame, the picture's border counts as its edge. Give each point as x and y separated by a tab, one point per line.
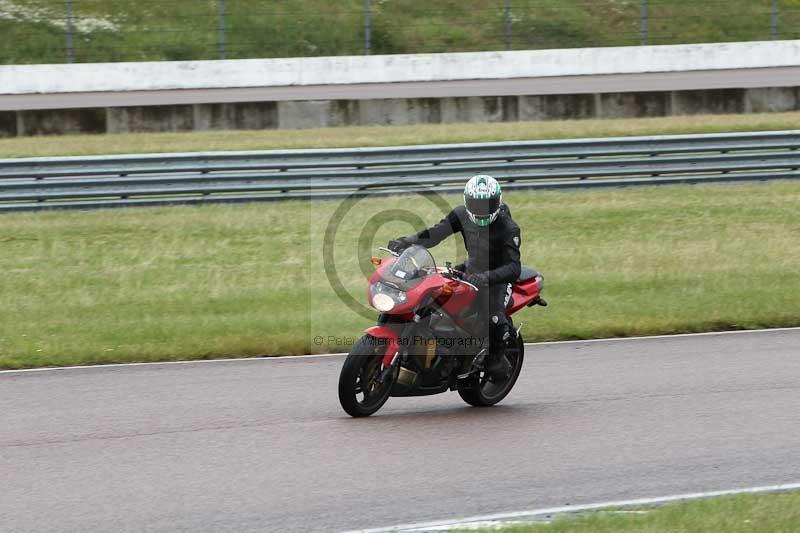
493	249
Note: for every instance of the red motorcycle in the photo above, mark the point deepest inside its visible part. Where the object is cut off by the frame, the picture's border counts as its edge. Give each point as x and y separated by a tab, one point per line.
424	342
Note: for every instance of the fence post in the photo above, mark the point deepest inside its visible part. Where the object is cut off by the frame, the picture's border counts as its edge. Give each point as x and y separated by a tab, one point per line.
367	27
644	15
70	29
221	11
507	24
775	14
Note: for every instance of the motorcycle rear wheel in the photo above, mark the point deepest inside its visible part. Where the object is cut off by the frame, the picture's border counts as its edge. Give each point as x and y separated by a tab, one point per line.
359	392
478	391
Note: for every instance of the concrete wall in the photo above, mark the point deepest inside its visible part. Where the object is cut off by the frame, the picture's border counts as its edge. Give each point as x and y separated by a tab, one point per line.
91	81
331	113
8	124
150	76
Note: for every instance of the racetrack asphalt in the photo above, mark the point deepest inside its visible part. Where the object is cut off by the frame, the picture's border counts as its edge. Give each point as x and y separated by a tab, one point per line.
608	83
262	445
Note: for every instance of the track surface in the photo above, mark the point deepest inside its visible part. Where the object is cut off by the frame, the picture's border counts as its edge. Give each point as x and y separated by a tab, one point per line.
655	81
263	445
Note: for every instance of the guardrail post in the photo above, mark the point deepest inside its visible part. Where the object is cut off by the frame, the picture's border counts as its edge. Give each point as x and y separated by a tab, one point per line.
221	12
70	29
367	27
775	15
644	15
507	24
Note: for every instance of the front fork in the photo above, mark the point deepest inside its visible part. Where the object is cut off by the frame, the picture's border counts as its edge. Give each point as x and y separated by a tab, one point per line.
390	337
395	353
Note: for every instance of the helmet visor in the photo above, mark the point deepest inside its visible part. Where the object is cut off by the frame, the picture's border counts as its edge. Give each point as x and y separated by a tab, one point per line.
483	207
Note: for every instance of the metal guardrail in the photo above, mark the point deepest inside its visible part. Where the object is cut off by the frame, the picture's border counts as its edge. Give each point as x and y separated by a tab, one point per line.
192	178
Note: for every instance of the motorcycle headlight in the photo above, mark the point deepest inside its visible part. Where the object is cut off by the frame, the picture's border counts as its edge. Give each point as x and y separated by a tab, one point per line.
382	302
384	297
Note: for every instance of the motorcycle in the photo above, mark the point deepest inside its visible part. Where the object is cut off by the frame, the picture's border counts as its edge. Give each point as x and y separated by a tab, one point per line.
424	341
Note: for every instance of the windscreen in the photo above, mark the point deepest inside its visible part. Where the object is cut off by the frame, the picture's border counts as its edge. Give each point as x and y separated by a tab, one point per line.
413	265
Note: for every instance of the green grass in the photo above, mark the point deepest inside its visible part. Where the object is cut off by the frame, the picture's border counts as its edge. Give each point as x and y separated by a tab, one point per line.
388	135
223	281
768	513
117	30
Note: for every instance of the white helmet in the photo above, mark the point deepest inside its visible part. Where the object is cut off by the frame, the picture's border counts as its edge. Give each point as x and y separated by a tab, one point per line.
483	198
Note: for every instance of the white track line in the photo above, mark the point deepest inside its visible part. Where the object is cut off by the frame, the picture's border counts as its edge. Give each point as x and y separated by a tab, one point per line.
670	336
445	525
190	362
313	356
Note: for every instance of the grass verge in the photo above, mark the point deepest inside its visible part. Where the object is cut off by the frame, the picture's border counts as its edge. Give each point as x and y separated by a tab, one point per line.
388	135
187	29
248	280
774	513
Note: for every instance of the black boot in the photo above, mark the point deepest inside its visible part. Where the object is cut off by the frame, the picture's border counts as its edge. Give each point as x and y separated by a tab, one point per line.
497	366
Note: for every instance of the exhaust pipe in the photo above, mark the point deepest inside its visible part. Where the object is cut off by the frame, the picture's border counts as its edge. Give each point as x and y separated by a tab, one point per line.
406	377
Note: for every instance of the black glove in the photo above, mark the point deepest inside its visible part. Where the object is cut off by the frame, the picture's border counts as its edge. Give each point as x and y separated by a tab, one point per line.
398	245
478	280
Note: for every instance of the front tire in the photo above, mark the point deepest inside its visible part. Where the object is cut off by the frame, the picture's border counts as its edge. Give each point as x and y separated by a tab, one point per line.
478	391
359	392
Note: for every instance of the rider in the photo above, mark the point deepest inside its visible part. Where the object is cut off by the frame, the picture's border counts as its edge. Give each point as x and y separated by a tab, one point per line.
492	240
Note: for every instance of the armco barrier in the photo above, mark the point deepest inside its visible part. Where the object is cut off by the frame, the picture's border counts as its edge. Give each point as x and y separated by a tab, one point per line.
195	178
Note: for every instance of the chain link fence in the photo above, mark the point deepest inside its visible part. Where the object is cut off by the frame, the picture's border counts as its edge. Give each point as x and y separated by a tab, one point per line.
58	31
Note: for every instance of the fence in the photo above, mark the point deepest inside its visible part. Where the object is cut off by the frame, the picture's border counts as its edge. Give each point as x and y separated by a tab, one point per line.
55	31
137	180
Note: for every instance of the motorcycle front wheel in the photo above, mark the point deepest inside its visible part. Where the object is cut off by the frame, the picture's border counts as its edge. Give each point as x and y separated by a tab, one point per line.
478	391
360	392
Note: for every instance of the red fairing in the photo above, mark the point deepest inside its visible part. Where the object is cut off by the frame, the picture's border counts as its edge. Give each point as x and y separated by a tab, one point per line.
452	296
390	337
463	296
523	294
431	284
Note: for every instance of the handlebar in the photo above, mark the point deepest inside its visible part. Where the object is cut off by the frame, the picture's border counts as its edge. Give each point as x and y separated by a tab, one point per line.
388	250
457	275
470	284
465	282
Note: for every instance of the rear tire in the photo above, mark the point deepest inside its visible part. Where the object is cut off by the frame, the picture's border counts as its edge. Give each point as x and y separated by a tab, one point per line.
478	391
359	393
